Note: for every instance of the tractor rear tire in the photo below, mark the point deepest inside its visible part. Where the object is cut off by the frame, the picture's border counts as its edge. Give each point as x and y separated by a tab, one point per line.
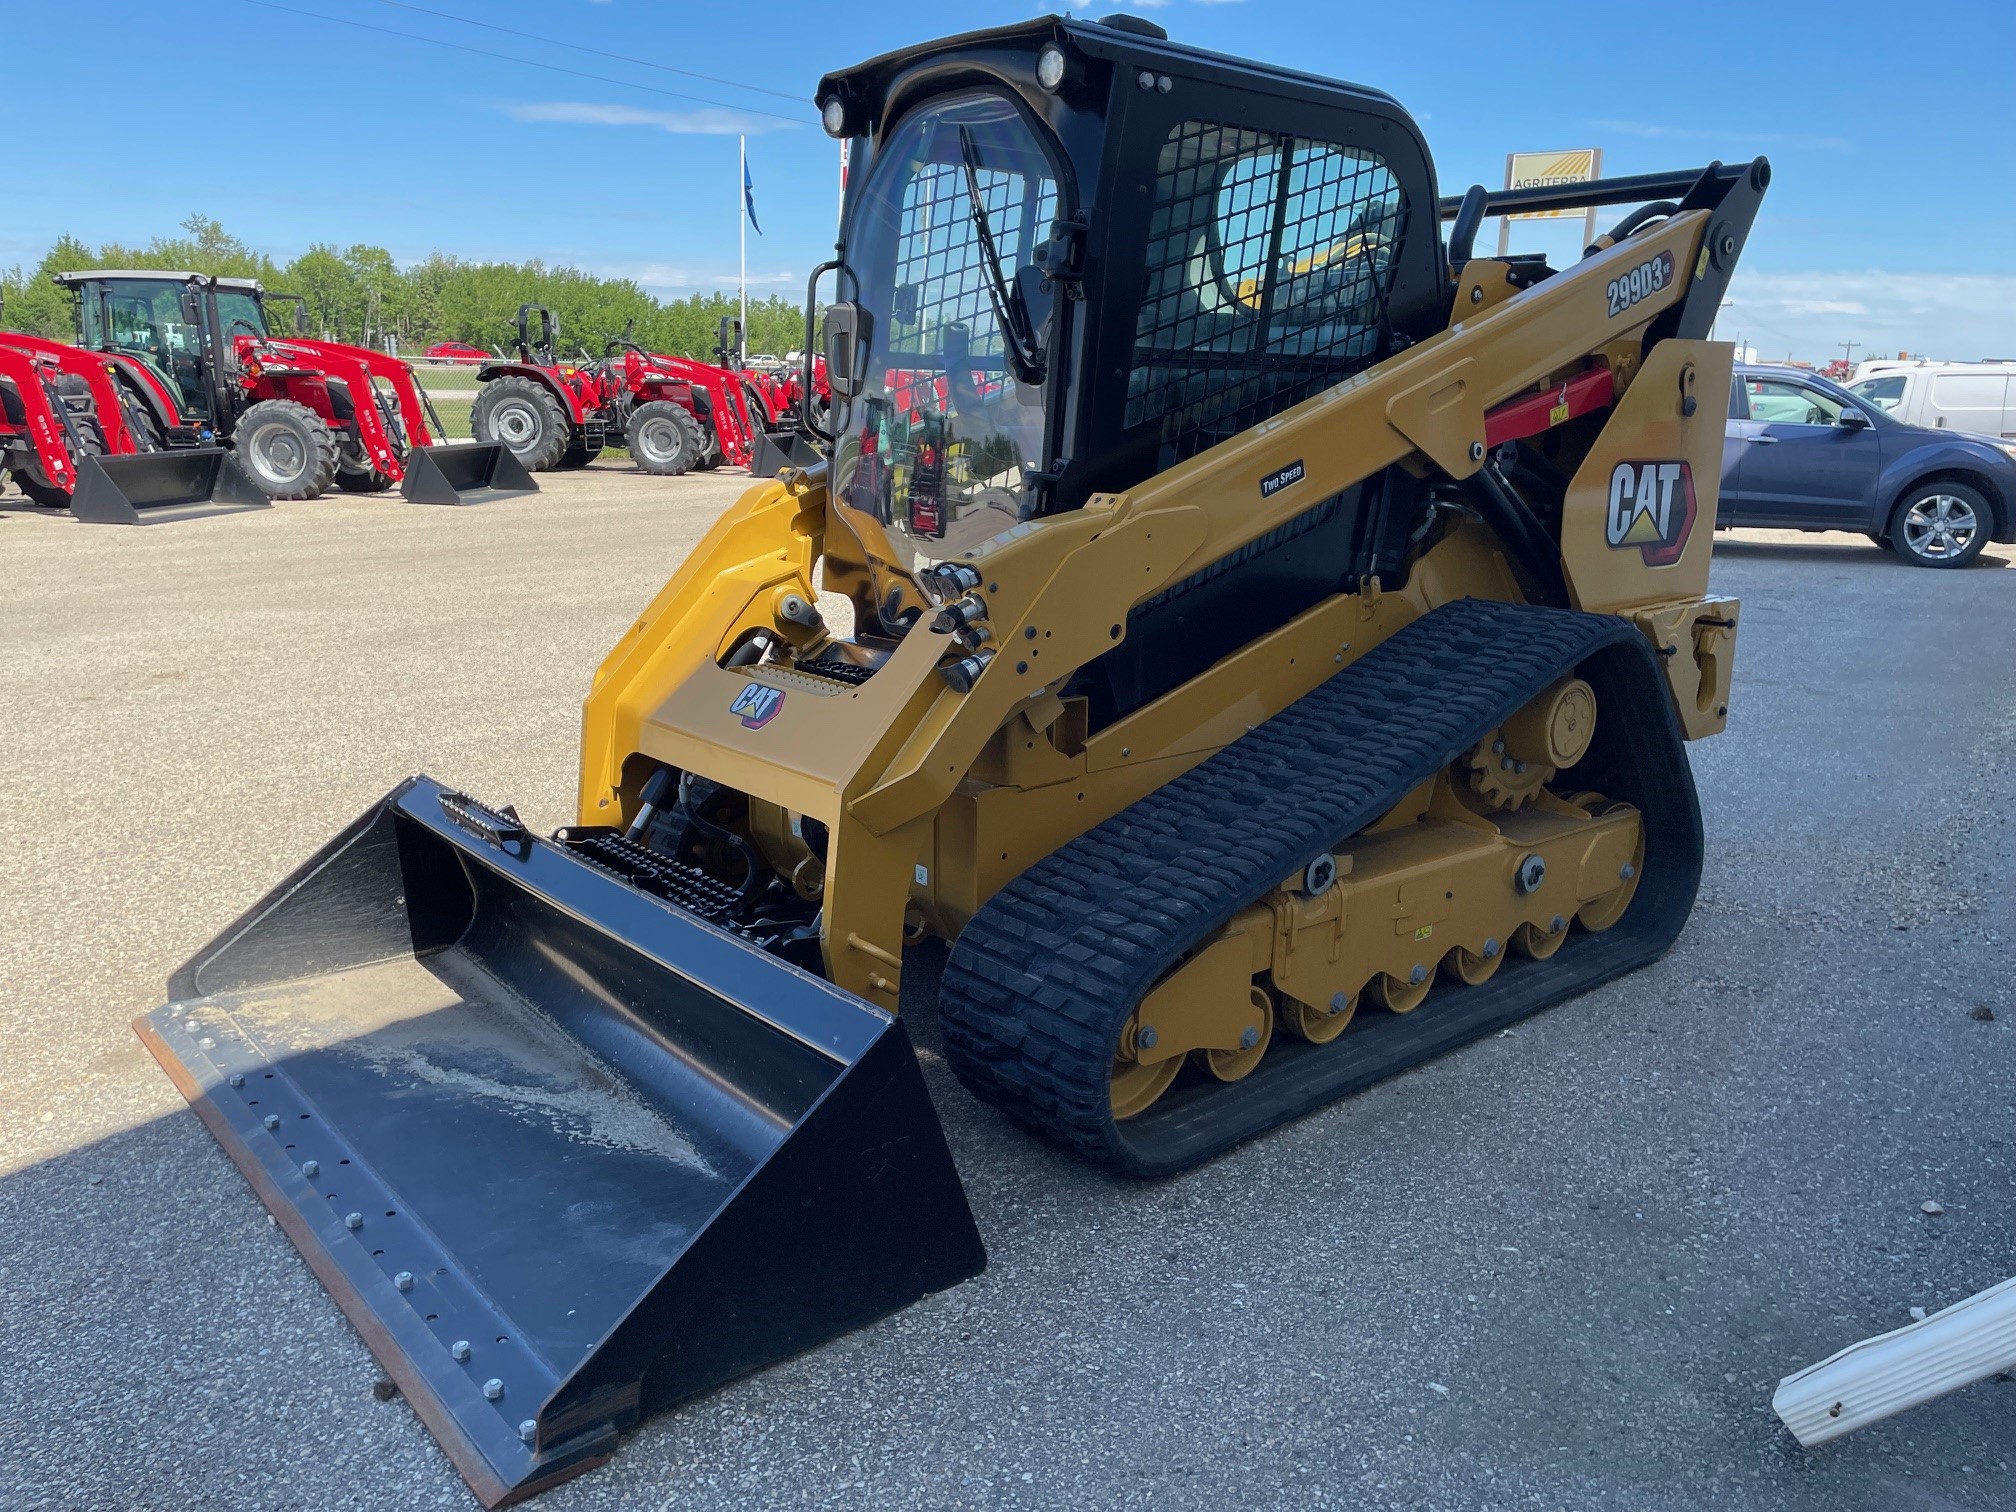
575	457
290	453
523	415
366	480
664	438
89	442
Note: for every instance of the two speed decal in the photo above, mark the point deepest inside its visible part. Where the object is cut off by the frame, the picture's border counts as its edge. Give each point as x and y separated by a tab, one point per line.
1642	282
1281	478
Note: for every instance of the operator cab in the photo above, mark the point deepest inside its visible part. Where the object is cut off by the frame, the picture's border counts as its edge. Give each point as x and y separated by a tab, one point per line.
1074	255
146	315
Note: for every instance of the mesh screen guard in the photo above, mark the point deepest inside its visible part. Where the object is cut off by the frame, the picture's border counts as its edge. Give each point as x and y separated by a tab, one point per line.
1269	263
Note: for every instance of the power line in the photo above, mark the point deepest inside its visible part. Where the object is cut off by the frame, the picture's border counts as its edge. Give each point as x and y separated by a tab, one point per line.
483	52
595	51
1774	330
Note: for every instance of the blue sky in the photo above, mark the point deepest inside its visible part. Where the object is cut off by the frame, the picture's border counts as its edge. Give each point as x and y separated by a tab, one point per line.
1892	220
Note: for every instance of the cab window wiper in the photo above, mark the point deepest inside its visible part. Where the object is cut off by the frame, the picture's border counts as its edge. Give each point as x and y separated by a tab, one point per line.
1010	313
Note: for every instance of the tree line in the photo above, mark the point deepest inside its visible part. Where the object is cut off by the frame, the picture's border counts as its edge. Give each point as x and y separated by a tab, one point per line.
359	294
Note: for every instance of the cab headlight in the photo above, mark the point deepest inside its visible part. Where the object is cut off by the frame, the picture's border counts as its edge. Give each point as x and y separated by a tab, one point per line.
833	116
1051	67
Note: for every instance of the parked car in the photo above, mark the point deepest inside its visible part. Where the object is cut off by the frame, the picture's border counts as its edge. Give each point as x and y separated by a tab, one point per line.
1805	454
1977	397
457	351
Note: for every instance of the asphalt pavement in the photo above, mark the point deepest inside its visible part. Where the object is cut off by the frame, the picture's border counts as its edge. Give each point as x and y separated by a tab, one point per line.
1562	1268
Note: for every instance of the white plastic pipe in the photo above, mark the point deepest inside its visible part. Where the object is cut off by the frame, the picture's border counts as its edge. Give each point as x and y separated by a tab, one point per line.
1879	1377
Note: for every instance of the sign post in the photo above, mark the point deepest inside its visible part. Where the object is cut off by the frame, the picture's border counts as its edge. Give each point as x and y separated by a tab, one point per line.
1539	170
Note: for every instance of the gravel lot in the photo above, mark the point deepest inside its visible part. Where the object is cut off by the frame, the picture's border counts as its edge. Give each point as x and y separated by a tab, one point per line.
1562	1268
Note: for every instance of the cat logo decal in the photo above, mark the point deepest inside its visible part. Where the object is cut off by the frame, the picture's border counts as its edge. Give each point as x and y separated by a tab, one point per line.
1651	508
757	704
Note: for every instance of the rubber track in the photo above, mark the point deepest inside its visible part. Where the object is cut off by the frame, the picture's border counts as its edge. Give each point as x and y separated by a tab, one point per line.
1042	979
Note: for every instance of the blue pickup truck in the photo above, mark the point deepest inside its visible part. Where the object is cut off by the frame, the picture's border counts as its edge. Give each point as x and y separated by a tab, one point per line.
1805	454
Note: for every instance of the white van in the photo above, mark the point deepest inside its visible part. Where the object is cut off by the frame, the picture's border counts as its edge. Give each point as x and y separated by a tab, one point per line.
1976	397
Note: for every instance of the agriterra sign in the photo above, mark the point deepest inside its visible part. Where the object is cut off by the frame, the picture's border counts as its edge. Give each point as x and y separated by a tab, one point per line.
1548	170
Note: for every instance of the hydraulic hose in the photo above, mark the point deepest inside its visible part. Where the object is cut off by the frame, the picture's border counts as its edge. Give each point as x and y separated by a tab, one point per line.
1532	550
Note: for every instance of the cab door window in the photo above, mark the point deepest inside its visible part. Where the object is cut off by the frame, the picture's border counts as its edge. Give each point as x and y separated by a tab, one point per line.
938	449
1270	258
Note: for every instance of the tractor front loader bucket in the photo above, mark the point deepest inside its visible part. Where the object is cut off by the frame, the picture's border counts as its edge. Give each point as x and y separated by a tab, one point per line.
774	451
562	1151
152	488
470	472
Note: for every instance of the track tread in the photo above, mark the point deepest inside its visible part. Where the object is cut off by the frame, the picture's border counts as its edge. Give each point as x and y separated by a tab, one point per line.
1042	977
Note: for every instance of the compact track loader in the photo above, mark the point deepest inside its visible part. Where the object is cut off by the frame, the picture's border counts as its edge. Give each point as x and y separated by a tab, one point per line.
1274	632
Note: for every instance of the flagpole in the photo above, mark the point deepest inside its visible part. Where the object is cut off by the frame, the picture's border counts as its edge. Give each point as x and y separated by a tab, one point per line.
742	220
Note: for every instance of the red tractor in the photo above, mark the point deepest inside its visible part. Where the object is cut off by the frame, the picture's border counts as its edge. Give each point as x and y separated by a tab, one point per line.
777	414
556	414
782	384
784	426
727	411
299	415
75	434
675	414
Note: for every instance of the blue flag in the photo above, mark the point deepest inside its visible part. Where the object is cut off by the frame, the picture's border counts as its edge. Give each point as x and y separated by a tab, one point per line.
749	196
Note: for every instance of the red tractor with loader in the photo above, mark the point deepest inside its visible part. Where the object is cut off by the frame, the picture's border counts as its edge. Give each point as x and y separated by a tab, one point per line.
728	412
299	415
75	434
675	414
774	402
553	413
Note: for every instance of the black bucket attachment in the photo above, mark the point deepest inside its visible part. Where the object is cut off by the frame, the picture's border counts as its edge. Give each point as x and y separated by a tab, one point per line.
776	450
473	472
151	488
564	1152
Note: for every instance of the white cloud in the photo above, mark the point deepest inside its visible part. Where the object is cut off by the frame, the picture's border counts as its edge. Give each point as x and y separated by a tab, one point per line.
682	122
1743	135
1825	307
681	278
1961	317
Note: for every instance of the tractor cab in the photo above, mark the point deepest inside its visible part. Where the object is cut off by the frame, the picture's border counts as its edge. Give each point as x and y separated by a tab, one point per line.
157	319
1074	255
